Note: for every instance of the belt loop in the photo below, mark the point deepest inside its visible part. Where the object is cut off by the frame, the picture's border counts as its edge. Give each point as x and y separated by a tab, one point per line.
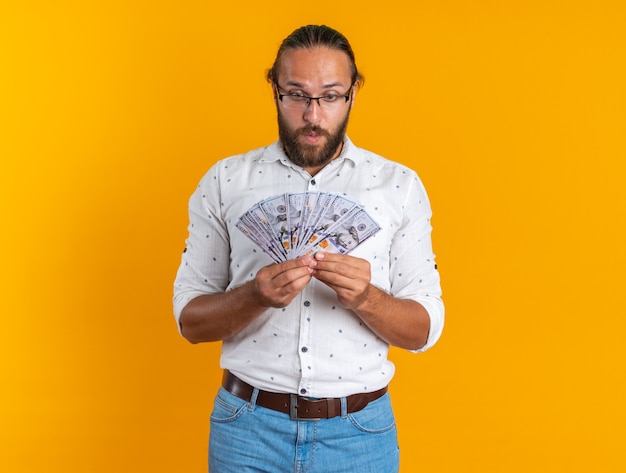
344	407
331	408
252	403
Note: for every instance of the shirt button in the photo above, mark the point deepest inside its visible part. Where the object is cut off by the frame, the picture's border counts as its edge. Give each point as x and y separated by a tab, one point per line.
303	391
304	349
307	303
313	182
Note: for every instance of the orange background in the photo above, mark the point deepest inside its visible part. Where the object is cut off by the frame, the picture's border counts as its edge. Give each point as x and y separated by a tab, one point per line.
512	112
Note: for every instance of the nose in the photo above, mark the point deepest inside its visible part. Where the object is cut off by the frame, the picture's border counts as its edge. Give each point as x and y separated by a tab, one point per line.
313	112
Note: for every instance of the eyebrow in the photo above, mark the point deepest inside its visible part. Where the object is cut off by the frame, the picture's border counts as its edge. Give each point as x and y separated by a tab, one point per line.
325	86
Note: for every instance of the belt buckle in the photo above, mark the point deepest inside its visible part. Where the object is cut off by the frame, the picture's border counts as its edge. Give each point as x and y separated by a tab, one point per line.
293	409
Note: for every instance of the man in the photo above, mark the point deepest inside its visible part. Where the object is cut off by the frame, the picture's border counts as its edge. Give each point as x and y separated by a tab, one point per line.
305	339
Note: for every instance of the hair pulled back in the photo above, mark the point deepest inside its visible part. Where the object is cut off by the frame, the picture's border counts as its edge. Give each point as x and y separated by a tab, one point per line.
311	36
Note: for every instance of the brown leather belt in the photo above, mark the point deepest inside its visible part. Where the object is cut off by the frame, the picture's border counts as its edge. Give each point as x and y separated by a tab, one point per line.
298	407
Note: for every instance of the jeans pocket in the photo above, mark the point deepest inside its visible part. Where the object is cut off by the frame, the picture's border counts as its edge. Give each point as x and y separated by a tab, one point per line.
377	417
227	407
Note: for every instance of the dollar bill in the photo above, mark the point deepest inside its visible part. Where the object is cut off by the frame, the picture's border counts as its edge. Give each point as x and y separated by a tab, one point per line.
290	225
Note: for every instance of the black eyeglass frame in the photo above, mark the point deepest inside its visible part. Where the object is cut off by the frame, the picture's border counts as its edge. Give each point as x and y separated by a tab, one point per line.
309	99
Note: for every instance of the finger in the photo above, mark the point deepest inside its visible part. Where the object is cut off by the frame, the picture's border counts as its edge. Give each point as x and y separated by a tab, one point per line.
334	280
282	270
279	284
344	265
288	265
337	258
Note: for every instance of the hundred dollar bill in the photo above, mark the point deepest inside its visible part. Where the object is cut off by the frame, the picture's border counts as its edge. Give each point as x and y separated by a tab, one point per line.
267	247
290	225
348	232
275	209
324	201
337	208
295	213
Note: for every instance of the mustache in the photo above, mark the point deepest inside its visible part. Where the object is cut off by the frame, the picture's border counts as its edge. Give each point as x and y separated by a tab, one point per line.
308	129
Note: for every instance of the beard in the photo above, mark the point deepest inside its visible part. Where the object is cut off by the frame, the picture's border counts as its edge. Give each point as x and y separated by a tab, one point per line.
308	155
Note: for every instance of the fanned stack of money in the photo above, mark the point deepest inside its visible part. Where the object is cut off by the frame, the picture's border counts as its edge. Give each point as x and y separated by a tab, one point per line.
291	225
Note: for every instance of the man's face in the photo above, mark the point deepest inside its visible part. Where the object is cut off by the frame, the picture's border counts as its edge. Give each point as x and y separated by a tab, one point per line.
312	136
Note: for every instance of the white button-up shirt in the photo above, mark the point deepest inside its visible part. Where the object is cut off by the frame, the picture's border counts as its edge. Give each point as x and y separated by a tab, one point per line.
313	346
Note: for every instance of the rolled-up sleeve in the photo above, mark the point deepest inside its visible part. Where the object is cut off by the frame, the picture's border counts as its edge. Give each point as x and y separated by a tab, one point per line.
204	263
414	273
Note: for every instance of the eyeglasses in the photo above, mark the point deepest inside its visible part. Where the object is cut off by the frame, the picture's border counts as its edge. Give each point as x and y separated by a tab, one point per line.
330	102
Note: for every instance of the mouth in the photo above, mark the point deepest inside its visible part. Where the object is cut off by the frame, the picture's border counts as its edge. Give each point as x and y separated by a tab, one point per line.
312	136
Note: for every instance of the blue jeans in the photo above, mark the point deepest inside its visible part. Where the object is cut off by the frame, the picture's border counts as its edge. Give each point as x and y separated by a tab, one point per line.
245	437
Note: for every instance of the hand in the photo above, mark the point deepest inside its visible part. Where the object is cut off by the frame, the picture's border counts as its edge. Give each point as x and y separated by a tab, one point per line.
347	275
277	284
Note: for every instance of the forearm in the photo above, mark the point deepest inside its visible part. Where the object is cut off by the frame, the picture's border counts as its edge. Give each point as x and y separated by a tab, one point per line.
400	322
403	323
214	317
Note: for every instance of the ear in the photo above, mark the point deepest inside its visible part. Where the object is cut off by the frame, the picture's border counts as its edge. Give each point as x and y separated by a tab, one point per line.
353	95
